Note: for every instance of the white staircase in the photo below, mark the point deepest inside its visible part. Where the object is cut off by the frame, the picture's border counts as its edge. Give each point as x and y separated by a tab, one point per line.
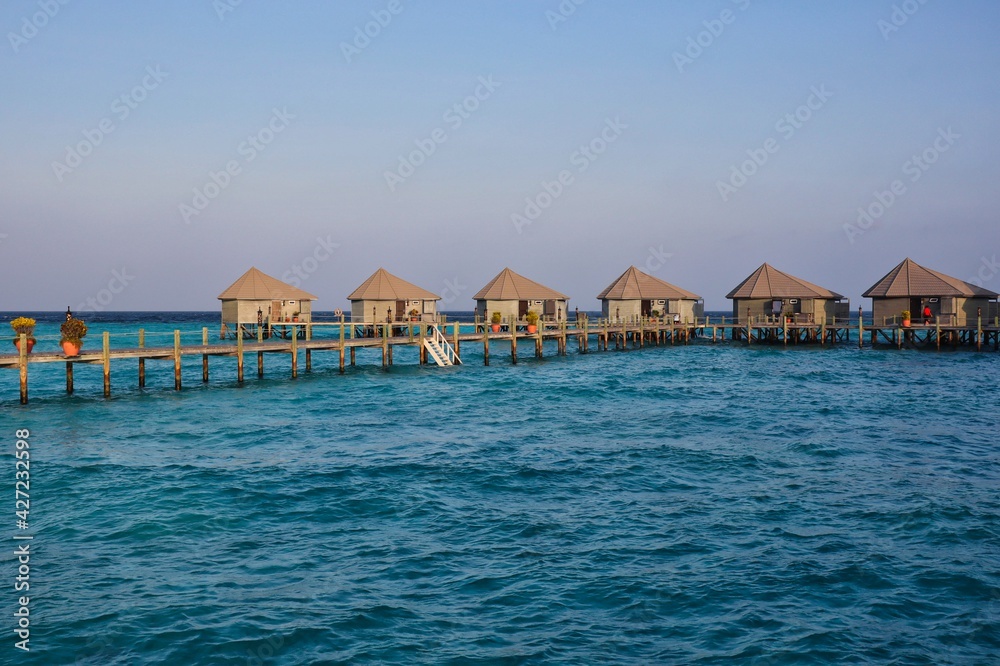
438	348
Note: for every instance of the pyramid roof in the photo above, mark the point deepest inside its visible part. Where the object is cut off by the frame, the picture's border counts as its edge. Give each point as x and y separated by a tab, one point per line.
768	282
255	285
633	284
384	286
509	286
910	279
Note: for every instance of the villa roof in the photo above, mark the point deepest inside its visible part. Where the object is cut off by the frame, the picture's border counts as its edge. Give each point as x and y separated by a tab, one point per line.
509	286
768	282
633	284
255	285
384	286
911	279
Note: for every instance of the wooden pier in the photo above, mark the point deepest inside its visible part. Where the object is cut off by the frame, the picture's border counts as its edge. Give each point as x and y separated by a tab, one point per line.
345	338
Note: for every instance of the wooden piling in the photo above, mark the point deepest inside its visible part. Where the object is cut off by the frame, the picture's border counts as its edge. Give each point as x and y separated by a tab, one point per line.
861	329
385	346
295	353
422	352
239	359
142	361
204	357
486	345
69	377
106	362
22	366
513	341
352	356
177	359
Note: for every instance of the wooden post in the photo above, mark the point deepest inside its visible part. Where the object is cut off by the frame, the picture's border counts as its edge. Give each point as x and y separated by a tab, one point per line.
454	334
979	329
239	359
69	377
142	361
22	366
295	352
422	355
784	330
352	356
385	346
204	357
937	331
260	365
309	360
513	340
538	340
177	360
106	363
486	345
861	327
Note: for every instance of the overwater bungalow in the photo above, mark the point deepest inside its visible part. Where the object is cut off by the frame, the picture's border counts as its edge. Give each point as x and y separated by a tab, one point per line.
636	294
383	296
256	298
912	287
768	292
513	295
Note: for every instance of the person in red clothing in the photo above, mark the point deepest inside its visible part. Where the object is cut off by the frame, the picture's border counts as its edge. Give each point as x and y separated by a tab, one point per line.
927	314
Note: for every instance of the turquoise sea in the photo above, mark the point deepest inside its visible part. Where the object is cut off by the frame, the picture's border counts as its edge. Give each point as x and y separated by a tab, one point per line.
700	504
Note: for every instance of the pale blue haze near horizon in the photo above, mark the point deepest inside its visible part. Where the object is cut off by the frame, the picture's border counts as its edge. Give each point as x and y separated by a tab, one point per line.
448	227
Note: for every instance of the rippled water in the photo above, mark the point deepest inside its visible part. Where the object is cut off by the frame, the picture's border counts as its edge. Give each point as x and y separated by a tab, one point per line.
701	504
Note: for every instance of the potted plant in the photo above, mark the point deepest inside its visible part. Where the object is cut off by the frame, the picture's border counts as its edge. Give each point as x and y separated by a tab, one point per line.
73	330
295	316
906	318
655	314
24	325
414	314
532	319
495	320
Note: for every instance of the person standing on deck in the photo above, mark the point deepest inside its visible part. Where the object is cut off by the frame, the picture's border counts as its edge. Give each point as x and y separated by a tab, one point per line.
927	314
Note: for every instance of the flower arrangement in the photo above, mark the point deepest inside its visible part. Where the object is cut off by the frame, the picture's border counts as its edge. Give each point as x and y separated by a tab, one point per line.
73	330
414	312
24	325
495	318
531	317
906	315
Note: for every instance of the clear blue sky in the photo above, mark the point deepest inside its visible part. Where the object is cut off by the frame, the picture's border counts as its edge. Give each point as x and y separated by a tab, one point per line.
673	129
